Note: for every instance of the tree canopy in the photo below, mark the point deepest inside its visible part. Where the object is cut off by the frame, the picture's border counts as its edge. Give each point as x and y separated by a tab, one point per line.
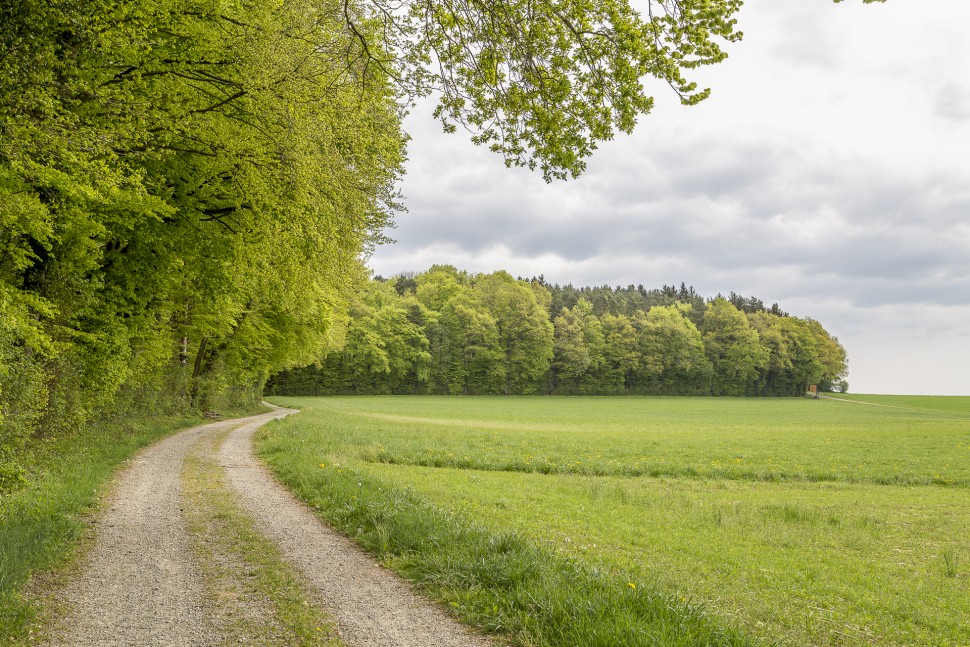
186	190
447	331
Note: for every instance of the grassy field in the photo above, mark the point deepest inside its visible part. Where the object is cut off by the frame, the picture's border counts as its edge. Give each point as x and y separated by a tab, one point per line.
796	522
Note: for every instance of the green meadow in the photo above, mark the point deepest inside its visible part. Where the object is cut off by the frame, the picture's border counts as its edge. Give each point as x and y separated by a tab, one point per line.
655	521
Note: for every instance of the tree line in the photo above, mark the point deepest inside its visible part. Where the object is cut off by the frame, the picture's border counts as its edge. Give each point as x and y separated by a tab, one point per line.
447	331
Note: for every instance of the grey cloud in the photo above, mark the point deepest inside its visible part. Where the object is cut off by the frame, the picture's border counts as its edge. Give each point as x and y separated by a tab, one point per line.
719	207
794	207
953	103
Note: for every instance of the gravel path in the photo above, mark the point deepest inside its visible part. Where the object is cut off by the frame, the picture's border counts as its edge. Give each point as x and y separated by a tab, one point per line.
372	606
140	586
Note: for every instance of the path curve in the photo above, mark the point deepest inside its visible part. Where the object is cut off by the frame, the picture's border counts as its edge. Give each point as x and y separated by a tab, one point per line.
372	606
139	584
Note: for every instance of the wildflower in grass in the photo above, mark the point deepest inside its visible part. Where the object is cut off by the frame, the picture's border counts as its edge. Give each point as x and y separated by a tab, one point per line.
323	464
632	585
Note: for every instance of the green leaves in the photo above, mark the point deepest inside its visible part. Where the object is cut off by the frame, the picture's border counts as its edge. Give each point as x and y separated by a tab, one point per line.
732	346
452	332
540	83
186	190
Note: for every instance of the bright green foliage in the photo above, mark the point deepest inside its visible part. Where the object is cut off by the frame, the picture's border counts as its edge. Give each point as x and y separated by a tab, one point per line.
525	333
384	350
578	345
185	193
672	353
492	334
457	334
778	366
469	339
542	82
800	352
595	342
831	357
621	357
732	346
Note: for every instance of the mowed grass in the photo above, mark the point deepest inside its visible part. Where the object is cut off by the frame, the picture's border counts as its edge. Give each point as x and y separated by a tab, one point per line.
793	522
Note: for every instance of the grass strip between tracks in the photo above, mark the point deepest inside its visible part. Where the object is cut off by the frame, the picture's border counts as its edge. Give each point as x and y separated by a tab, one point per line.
256	597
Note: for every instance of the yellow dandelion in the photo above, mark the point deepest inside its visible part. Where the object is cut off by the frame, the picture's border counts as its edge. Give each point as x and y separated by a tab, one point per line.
632	585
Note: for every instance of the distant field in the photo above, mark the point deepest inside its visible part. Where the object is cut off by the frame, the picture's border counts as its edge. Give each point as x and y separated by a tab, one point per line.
959	405
800	522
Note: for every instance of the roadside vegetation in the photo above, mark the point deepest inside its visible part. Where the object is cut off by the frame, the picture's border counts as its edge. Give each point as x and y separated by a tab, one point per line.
797	522
165	238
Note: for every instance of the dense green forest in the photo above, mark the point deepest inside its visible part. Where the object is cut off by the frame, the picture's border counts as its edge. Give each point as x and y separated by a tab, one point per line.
188	188
184	196
450	332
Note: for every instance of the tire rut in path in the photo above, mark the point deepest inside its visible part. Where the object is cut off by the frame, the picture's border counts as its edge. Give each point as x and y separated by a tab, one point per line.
138	584
372	606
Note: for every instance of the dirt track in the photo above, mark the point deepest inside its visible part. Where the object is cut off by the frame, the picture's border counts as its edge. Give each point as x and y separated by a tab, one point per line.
141	585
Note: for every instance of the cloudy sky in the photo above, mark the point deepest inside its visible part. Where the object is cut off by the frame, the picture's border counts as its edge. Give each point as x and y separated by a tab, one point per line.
829	172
